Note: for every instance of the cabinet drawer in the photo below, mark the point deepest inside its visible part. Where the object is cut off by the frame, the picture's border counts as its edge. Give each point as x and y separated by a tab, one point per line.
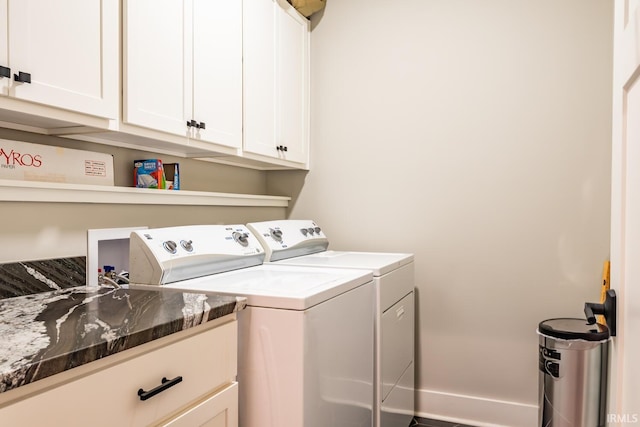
206	362
397	342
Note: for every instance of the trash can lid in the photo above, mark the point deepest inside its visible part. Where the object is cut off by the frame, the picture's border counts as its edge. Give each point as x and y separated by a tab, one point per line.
573	329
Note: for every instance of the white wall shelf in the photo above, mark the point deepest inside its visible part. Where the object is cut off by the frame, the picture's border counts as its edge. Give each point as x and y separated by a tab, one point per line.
48	192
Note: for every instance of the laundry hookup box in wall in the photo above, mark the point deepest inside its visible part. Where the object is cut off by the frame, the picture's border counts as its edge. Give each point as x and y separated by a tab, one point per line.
34	162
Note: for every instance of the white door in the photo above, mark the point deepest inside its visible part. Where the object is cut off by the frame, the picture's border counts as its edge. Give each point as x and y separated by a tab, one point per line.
292	84
624	408
4	53
70	51
259	76
217	71
157	64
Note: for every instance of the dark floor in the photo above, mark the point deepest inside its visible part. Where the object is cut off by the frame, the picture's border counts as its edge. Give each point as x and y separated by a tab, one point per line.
425	422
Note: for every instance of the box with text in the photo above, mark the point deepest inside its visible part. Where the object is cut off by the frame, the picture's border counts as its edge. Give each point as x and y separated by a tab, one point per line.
34	162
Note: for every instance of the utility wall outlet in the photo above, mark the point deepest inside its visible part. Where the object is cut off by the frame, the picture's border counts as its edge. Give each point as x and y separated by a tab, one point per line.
108	246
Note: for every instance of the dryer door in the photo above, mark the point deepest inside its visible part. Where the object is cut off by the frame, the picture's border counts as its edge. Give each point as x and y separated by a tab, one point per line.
397	342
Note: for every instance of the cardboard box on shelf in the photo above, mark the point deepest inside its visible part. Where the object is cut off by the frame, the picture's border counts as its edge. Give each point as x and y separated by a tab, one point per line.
149	174
35	162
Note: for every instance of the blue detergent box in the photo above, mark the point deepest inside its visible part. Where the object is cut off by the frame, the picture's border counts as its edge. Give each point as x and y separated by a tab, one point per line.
149	174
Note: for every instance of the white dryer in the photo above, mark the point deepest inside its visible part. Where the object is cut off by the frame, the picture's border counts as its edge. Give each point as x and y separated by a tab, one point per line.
303	243
305	352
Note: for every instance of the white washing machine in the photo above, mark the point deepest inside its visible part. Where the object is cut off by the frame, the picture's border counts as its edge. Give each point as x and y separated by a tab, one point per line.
305	352
303	243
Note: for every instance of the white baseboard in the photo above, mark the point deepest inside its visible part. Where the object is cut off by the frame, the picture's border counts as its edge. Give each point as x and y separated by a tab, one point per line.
476	411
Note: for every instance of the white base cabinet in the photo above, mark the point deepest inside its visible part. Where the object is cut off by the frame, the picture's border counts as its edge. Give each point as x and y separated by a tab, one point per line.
206	395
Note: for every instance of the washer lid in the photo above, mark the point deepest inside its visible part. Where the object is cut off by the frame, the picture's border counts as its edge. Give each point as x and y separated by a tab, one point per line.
380	263
279	286
573	329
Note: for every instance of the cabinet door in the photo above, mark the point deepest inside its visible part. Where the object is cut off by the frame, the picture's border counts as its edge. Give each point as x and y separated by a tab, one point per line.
157	64
217	71
276	80
4	54
259	77
219	410
292	84
70	49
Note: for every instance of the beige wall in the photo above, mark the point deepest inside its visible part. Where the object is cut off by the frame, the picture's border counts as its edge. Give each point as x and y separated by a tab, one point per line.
49	230
475	134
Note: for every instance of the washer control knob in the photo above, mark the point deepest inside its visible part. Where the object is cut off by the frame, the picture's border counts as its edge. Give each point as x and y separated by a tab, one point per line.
311	230
242	238
187	245
317	230
276	234
304	231
170	246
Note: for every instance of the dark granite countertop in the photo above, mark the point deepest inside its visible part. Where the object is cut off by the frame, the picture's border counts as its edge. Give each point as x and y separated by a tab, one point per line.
46	333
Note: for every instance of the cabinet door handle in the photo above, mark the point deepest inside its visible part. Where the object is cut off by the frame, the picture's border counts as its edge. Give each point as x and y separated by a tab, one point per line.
201	125
281	148
22	77
5	72
144	395
192	123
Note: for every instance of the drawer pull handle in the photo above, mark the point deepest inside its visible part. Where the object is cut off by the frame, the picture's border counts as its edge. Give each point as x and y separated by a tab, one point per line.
144	395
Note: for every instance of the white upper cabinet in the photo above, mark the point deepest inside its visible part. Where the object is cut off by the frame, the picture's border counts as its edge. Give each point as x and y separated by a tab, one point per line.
226	80
259	76
293	84
5	71
62	54
156	76
276	81
182	68
217	71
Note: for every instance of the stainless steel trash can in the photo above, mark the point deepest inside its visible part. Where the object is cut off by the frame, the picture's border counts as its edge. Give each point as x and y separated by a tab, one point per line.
573	365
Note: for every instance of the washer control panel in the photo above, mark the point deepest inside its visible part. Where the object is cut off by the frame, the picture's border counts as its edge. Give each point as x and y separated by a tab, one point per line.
283	239
165	255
